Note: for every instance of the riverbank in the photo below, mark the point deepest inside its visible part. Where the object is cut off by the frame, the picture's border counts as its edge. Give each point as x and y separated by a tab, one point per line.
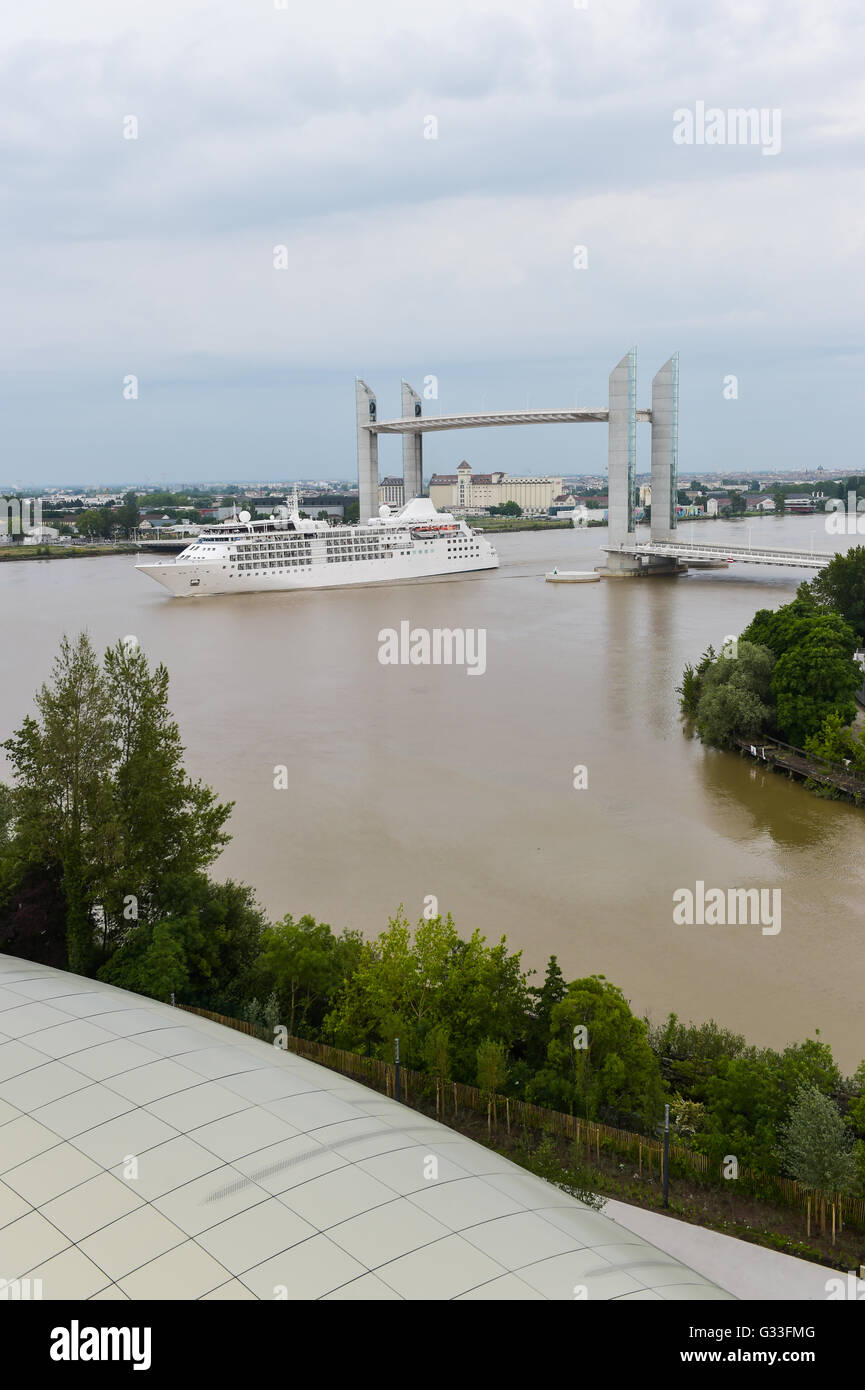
15	553
518	523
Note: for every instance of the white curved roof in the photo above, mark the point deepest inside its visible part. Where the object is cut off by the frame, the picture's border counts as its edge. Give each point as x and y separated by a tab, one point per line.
149	1153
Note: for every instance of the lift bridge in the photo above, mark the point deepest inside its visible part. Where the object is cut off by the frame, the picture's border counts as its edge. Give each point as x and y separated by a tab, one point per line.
626	557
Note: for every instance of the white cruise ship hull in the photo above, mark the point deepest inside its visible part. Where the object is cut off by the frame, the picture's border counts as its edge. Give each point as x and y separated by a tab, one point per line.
188	579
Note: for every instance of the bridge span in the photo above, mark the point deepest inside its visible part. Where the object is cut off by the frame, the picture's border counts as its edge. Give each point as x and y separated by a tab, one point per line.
648	554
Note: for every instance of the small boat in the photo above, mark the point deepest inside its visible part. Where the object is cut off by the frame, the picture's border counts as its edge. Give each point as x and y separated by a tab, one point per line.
572	577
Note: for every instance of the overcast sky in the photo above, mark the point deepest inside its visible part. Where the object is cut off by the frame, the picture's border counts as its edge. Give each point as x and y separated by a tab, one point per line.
451	257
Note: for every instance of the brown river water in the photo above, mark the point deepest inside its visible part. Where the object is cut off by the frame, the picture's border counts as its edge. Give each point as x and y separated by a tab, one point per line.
407	781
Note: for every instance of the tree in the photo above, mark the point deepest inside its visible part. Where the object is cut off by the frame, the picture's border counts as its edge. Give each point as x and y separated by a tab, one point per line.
550	993
204	948
128	516
304	964
437	1058
738	505
840	588
62	764
835	742
815	673
734	698
607	1071
403	986
163	824
780	501
492	1071
94	523
692	682
815	1144
782	628
101	796
815	678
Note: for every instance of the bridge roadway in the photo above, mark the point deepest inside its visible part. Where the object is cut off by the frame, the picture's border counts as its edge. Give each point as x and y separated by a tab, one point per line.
426	424
746	554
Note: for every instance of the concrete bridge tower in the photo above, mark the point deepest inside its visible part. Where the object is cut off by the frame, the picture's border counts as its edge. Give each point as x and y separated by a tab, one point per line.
665	450
367	453
412	456
622	456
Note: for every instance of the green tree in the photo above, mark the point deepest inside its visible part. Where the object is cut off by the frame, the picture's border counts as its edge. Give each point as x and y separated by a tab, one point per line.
203	949
815	678
615	1076
128	516
735	698
492	1072
437	1058
94	522
692	682
405	984
62	765
783	628
545	997
162	824
815	673
840	588
304	964
836	742
101	796
815	1145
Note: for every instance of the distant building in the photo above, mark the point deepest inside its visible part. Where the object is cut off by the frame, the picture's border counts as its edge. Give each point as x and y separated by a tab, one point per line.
40	535
312	507
467	491
391	491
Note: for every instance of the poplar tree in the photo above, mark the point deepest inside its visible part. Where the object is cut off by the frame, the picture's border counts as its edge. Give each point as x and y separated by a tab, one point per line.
101	798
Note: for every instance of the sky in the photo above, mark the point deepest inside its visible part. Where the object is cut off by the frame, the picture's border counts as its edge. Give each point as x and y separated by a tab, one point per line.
427	171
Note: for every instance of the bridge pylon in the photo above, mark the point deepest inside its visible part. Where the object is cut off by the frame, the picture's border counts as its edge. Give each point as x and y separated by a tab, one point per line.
665	450
412	453
367	452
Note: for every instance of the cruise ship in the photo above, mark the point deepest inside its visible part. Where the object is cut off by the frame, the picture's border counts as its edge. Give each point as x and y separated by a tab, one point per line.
288	551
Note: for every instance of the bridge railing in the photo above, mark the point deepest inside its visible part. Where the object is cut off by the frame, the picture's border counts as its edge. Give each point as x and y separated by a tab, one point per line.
735	549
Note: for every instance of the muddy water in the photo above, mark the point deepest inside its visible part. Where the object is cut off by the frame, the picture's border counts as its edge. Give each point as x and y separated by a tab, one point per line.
406	781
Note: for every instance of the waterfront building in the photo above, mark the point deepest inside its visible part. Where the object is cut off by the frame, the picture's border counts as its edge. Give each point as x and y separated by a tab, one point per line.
468	491
392	492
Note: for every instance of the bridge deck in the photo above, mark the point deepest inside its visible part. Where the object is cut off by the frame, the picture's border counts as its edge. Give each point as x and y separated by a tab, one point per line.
745	554
426	424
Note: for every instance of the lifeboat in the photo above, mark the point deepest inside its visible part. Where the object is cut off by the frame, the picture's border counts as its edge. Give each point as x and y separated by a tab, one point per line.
431	532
